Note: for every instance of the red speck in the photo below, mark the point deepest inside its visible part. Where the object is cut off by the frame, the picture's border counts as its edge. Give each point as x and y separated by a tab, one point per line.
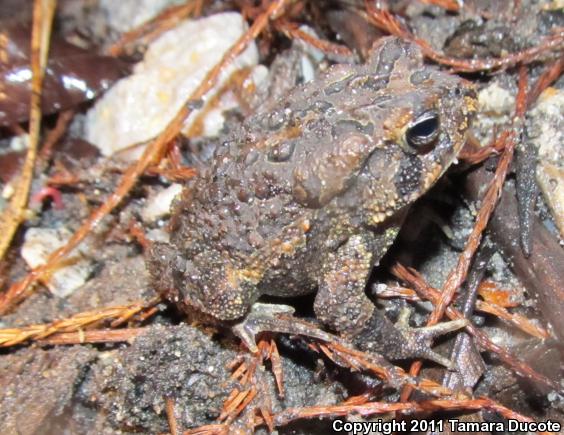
49	192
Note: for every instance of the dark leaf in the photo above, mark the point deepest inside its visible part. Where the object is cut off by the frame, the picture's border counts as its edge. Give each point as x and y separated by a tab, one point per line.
10	164
73	75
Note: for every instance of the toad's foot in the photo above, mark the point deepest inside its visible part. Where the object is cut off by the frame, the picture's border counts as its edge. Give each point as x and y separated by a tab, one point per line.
400	341
275	318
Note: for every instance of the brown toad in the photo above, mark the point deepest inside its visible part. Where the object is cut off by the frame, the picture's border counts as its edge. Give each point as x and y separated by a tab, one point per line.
310	195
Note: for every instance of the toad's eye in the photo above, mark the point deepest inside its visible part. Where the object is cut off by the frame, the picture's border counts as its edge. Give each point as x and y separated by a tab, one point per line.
423	132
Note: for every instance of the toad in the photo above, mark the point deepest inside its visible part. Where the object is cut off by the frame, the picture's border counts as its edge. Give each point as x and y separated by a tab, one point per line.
308	195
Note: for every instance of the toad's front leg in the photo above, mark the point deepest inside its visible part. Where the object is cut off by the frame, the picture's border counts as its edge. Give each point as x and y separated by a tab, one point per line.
341	303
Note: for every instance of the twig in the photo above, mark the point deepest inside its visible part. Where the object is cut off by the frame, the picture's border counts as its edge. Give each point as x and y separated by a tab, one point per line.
277	370
210	429
92	336
386	21
449	5
550	75
154	27
523	57
54	136
14	336
292	31
151	153
43	11
480	153
373	408
171	418
269	351
346	356
518	320
235	403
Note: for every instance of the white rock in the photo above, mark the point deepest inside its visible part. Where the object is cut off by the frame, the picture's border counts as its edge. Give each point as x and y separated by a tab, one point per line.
546	130
496	100
8	191
551	182
316	54
547	126
40	242
19	143
311	56
158	206
124	15
495	107
158	235
138	107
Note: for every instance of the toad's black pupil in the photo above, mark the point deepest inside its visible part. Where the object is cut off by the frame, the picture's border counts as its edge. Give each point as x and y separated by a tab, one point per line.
424	132
425	128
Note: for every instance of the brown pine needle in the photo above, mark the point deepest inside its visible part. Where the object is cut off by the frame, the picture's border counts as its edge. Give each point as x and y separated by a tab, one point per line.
238	374
92	336
13	336
449	5
152	29
293	31
277	370
171	418
210	429
55	135
517	320
233	402
374	408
